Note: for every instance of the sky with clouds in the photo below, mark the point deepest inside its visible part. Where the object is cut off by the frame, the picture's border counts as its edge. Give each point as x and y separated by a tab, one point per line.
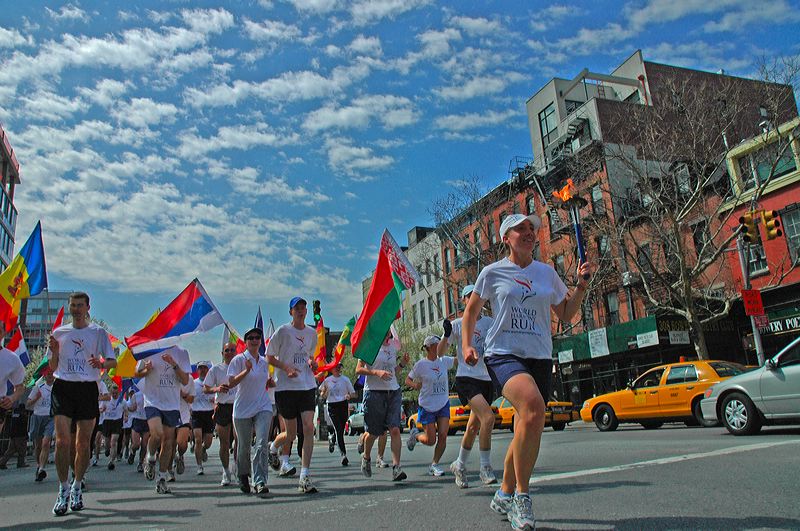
263	146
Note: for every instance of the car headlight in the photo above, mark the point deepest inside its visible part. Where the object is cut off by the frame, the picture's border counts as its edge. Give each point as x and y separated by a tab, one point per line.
585	405
708	393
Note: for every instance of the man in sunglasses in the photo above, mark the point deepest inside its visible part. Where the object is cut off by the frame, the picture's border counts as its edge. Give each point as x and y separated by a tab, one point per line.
216	381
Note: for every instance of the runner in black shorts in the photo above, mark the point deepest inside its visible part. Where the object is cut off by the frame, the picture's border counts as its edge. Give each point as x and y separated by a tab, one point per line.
202	417
216	381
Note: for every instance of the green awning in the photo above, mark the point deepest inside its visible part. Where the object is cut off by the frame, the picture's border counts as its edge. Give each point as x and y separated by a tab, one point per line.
619	338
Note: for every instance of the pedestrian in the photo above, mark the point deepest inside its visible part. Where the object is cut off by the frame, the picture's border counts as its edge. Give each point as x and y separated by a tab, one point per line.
12	371
248	375
183	432
125	440
337	390
383	401
77	352
475	389
97	433
140	431
518	349
291	352
112	425
216	381
202	417
429	376
163	374
42	426
18	435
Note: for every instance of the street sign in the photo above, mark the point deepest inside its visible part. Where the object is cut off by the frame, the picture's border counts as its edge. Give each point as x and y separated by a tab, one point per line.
752	302
762	321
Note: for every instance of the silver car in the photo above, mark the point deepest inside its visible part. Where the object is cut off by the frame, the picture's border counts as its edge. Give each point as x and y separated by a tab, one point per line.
767	395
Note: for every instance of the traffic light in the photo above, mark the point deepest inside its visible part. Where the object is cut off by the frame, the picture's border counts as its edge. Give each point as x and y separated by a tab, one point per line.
748	228
317	312
772	224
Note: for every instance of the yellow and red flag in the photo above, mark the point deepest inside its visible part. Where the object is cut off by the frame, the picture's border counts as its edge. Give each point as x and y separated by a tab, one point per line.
24	277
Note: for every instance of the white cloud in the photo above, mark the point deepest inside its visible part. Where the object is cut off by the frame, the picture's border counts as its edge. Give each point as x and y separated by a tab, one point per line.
478	26
68	12
44	105
271	30
698	54
106	91
242	137
142	112
480	86
773	12
462	122
370	11
366	46
247	181
547	18
12	38
316	7
354	160
208	20
390	111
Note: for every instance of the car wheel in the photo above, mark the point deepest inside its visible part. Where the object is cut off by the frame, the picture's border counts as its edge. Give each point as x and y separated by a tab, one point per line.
739	415
697	412
559	426
605	419
652	425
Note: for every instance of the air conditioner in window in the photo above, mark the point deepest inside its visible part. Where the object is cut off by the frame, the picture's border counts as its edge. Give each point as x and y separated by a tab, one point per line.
629	278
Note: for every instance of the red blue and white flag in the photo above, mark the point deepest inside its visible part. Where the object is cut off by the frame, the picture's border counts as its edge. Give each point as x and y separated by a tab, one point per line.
17	345
190	313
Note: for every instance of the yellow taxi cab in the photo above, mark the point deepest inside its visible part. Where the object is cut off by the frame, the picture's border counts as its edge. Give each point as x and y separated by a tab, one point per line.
667	393
556	414
459	415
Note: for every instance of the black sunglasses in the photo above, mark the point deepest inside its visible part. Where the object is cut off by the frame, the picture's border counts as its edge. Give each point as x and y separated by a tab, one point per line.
248	338
230	350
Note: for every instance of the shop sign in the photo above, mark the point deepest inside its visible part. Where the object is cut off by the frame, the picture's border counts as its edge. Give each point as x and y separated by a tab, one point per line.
784	324
565	356
598	342
679	337
648	339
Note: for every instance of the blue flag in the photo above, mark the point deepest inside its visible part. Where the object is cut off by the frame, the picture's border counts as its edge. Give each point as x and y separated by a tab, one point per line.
262	350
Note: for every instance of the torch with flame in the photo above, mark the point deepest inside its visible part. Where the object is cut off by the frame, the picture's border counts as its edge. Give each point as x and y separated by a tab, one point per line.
574	203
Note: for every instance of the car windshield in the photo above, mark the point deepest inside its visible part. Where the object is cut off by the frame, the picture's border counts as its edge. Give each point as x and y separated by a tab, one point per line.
497	401
727	368
454	401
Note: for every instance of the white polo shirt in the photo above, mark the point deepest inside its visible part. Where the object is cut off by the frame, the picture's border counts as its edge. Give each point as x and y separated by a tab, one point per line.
251	393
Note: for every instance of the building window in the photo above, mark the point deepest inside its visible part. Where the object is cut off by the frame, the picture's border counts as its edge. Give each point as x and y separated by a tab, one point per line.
476	235
587	314
700	236
451	308
791	227
430	310
422	313
446	260
530	204
603	247
427	272
759	164
645	261
612	308
515	208
436	270
548	125
414	316
439	303
571	105
491	231
756	258
598	205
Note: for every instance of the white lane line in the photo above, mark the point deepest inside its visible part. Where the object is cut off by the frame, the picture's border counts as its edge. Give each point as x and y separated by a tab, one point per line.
662	461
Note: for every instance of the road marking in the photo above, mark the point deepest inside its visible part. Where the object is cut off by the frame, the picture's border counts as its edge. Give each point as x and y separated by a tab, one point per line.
662	461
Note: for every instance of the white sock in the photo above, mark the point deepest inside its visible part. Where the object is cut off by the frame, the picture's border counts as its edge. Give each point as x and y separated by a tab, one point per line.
162	475
463	455
284	460
65	485
486	457
303	472
274	449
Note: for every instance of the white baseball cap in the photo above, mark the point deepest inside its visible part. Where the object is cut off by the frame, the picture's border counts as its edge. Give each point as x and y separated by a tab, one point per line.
513	220
469	288
430	340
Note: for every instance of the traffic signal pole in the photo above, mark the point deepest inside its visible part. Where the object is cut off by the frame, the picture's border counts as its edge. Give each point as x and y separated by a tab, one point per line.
745	264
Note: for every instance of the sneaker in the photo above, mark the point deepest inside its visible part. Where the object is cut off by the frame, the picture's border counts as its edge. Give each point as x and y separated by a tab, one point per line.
244	484
331	443
360	446
435	470
261	489
180	464
286	470
112	465
40	475
200	470
94	461
460	473
233	470
131	458
366	467
226	480
412	439
162	487
150	470
380	463
62	502
76	500
487	475
398	474
274	462
140	468
305	486
171	476
501	503
521	513
205	455
345	461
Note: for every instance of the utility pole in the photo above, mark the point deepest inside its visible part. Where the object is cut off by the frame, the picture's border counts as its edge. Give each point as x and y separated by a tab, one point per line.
745	264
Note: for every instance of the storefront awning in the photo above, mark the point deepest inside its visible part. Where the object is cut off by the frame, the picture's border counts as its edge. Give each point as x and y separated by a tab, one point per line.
600	342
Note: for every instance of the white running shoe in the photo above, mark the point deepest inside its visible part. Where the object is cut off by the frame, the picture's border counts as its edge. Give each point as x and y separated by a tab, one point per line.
521	513
150	470
286	470
180	465
200	470
306	486
460	473
487	475
435	470
226	480
380	463
62	501
412	439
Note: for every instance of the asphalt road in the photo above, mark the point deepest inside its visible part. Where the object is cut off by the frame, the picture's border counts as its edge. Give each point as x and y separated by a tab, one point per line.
671	478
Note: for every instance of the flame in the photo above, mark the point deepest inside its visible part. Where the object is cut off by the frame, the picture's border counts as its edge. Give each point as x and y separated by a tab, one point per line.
566	193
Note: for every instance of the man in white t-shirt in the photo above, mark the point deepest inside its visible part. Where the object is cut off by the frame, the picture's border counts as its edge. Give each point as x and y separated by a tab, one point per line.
112	424
202	417
140	431
77	352
216	381
183	431
337	390
11	370
162	375
475	388
291	350
41	428
429	376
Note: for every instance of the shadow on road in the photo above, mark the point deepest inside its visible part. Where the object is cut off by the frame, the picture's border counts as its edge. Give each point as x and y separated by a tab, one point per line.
671	522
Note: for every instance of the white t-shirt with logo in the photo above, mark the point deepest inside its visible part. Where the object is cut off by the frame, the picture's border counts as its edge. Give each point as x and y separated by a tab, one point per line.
218	374
386	360
185	407
435	391
477	371
102	390
42	406
293	347
113	409
161	386
338	388
251	393
76	347
521	302
202	401
11	370
137	400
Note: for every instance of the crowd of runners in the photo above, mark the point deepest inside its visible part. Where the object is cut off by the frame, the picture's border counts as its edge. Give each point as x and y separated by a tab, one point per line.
260	406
